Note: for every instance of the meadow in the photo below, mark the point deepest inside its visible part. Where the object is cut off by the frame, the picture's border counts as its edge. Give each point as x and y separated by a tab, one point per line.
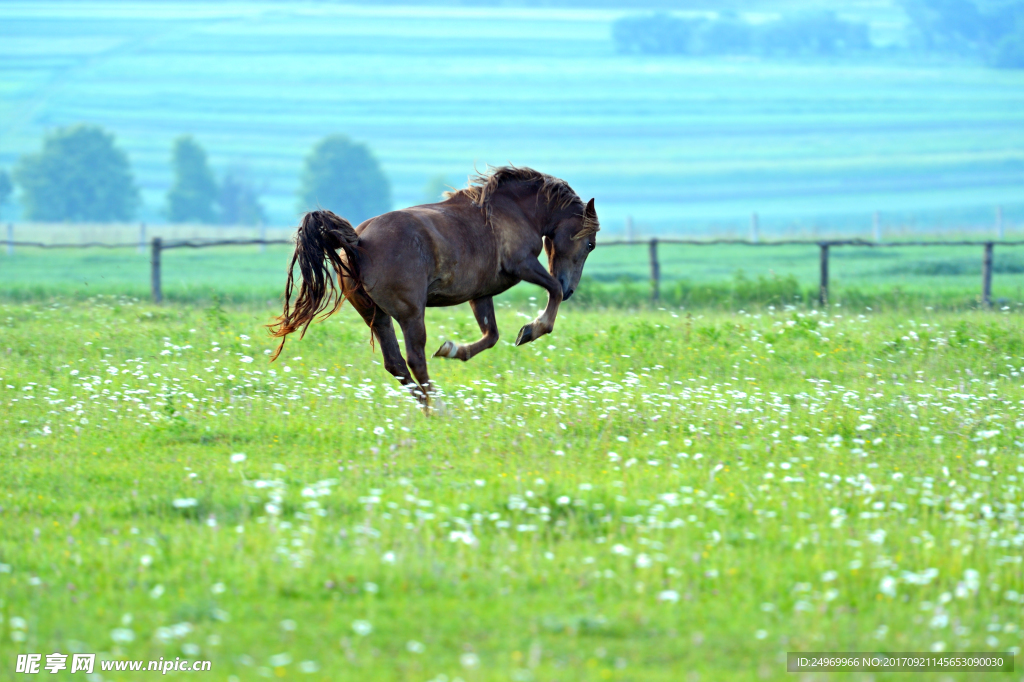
643	495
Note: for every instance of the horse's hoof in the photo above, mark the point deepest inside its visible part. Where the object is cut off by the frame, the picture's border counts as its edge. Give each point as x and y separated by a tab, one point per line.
447	350
525	335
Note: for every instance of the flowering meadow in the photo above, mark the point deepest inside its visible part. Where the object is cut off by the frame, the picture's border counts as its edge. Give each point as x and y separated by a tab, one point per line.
653	495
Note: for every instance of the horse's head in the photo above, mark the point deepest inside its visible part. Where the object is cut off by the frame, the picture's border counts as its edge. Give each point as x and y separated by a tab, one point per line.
569	245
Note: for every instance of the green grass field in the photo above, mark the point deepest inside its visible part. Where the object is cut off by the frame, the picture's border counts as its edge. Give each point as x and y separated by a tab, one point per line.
640	496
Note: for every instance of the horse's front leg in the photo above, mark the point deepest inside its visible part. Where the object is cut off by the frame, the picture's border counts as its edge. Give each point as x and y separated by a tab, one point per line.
534	273
483	309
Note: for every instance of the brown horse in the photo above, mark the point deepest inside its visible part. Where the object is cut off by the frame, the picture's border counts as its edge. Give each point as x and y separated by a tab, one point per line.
479	242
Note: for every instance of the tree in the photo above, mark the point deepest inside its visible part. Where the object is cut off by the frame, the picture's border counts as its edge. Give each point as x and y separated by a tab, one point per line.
1009	53
726	35
655	34
945	25
239	201
814	34
80	175
345	177
5	188
993	30
194	192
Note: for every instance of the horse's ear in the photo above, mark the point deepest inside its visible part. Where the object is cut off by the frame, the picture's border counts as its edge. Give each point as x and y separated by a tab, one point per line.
589	211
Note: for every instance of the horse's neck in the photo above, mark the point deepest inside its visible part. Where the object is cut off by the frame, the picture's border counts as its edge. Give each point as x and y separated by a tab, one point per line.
533	213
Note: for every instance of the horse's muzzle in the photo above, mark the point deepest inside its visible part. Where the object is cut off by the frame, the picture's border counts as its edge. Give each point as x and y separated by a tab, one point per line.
567	290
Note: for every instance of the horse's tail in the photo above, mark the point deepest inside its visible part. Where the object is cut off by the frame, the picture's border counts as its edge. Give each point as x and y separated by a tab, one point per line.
317	242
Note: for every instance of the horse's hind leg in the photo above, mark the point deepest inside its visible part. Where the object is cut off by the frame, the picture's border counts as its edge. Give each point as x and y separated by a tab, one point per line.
415	332
483	308
383	329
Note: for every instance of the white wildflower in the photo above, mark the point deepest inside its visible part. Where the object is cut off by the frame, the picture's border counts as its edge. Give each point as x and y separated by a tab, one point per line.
122	635
279	660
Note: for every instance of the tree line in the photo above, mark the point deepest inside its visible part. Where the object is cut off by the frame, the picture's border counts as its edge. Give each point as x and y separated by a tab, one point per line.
988	30
817	33
991	30
81	175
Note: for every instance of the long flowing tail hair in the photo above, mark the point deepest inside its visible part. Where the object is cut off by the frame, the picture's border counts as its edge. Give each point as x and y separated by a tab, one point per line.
320	235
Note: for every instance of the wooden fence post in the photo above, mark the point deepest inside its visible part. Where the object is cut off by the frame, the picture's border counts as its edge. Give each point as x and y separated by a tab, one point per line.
10	239
823	286
986	276
158	294
655	272
755	228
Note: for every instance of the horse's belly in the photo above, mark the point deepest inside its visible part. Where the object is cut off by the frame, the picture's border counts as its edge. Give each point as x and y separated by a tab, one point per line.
462	290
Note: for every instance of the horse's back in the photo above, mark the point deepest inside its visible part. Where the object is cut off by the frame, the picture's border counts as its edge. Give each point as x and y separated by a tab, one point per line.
442	252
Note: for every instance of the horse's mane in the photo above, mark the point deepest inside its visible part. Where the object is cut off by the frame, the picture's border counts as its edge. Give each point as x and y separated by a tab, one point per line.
556	192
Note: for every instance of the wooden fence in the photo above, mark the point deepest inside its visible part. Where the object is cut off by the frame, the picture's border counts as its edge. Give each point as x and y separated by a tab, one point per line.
158	246
825	248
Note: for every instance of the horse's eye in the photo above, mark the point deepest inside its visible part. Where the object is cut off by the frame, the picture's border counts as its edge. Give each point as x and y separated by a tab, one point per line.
590	245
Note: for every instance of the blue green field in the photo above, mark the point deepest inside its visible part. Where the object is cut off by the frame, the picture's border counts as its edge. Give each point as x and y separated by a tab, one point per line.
684	146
